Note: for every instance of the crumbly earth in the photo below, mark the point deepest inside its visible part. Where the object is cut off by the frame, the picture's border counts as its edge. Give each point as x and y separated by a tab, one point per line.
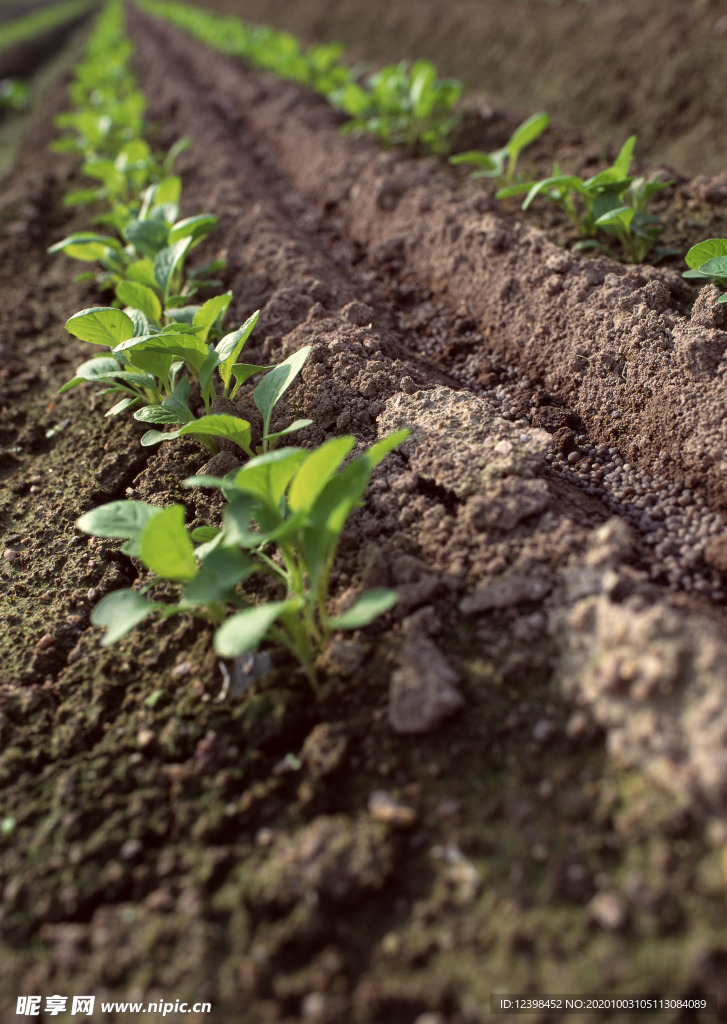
514	782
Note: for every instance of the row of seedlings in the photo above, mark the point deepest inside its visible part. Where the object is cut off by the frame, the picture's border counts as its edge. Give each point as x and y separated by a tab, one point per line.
286	506
407	104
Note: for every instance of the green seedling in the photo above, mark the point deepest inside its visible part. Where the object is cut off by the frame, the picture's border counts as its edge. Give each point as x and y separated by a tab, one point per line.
14	94
707	261
285	514
151	372
403	105
501	164
612	201
146	265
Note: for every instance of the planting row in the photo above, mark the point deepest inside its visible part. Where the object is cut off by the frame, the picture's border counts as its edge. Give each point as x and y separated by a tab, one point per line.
165	358
43	20
407	104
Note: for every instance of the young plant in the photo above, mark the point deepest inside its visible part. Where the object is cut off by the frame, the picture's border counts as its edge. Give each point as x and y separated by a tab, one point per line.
403	105
14	94
707	261
501	164
285	514
612	201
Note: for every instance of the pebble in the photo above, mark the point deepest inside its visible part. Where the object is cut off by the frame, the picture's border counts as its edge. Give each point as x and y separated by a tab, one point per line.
609	910
384	807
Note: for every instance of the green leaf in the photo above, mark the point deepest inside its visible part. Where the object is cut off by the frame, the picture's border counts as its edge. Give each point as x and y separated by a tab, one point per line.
86	246
233	428
275	383
561	183
229	347
92	369
119	519
148	237
142	271
166	262
141	297
101	325
204	534
194	228
366	608
619	216
476	157
167	191
292	428
716	267
246	630
626	154
122	406
527	132
221	570
166	547
267	476
242	372
172	343
183	315
316	471
210	312
119	613
707	250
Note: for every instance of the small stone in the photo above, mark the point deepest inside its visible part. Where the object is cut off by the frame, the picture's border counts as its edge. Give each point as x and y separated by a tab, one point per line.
543	731
45	641
145	737
264	837
609	910
313	1006
383	806
424	690
131	849
9	555
578	725
514	588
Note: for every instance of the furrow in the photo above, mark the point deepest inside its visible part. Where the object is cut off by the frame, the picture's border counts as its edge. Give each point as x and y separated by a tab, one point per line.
632	392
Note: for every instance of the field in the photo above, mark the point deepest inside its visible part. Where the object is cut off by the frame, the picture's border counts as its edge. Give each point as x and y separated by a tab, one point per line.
512	781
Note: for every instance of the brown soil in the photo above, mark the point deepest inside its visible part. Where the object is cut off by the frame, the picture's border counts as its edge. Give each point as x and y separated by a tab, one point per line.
611	67
555	528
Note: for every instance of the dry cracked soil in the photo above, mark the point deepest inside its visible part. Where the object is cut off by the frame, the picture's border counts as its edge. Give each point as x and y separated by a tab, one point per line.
516	781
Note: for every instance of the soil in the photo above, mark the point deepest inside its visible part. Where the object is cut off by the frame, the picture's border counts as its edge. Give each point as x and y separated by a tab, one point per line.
514	782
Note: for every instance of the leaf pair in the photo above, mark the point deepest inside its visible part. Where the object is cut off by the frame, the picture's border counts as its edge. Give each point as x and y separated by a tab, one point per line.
502	163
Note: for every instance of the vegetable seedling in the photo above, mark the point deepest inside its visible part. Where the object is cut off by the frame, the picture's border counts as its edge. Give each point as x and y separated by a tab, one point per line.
612	201
285	514
501	164
403	105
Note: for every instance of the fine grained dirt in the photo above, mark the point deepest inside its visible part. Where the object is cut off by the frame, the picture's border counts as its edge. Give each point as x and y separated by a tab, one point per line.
554	527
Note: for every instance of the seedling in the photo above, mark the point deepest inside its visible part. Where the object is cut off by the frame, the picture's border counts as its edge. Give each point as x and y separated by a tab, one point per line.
285	514
14	94
707	261
501	164
611	201
403	105
151	371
